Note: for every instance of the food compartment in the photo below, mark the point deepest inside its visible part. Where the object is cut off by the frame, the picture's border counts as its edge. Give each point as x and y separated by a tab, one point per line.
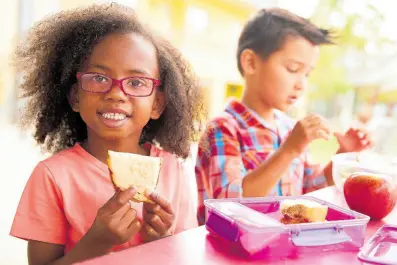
254	225
272	209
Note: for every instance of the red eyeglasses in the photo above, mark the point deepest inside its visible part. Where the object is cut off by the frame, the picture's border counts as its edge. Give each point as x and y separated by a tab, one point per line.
134	86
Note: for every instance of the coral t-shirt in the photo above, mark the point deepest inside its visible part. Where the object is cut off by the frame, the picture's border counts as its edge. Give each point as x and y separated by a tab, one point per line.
64	192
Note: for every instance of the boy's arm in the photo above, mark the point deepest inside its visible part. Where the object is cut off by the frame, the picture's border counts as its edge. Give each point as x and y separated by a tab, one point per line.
260	181
220	172
316	176
328	174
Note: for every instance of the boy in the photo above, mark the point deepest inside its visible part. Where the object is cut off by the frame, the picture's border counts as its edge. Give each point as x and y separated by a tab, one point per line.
255	149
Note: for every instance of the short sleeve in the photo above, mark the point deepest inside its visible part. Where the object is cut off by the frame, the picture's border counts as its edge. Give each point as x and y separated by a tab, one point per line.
40	214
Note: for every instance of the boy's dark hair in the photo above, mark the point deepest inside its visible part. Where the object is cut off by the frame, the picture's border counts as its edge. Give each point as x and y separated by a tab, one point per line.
267	31
56	48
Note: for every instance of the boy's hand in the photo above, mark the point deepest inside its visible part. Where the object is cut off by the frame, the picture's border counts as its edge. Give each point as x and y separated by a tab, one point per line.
305	131
158	218
116	222
354	140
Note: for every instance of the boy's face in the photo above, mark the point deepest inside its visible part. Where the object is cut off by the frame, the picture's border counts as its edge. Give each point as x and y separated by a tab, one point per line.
281	79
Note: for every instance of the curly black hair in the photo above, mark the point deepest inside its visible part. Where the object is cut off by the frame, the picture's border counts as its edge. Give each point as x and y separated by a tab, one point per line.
55	49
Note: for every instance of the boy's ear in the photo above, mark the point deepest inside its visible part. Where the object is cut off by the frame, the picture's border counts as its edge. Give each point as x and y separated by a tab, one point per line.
73	98
248	61
158	105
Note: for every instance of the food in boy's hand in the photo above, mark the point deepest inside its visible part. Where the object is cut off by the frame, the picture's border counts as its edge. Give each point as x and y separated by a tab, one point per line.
131	170
305	131
328	149
370	194
302	211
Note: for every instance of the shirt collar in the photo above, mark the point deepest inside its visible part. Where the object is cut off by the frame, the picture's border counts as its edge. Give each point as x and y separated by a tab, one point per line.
252	119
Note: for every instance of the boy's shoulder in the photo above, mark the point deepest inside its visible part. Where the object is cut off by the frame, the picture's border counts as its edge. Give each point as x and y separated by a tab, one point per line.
224	117
223	121
229	117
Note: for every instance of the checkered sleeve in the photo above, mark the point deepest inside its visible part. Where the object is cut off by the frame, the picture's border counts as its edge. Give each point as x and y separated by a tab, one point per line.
313	178
219	169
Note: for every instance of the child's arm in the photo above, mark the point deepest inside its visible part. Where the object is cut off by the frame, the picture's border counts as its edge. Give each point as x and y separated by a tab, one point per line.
40	253
40	219
261	181
328	174
114	224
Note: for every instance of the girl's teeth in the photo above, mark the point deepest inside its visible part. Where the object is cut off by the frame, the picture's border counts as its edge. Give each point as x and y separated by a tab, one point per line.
114	116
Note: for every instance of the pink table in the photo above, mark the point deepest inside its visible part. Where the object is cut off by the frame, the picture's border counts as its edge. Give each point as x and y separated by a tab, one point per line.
197	247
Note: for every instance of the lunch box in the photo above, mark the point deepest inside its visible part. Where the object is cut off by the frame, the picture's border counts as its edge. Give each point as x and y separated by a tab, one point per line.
252	226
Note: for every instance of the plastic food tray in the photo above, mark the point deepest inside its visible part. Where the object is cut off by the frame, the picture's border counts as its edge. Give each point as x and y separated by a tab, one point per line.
252	226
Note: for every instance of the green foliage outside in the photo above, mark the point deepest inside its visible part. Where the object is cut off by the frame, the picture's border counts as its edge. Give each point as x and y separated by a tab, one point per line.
330	77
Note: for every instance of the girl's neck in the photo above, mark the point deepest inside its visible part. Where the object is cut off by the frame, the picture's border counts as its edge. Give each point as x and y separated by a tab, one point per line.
99	147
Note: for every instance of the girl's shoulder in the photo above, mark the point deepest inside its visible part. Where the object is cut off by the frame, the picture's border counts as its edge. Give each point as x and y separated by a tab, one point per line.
72	155
157	151
71	164
170	162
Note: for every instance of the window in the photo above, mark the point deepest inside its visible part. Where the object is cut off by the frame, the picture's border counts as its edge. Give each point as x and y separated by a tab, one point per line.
197	20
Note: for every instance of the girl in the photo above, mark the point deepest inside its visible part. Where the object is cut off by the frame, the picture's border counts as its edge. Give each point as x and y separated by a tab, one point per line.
98	80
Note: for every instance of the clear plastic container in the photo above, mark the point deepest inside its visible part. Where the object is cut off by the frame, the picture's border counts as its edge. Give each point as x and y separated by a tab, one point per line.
252	226
345	164
382	247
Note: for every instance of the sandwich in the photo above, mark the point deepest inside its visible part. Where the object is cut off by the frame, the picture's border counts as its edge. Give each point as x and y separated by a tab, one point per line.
132	170
302	211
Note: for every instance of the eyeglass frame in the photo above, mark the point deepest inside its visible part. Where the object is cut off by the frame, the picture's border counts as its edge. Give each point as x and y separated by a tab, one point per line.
119	82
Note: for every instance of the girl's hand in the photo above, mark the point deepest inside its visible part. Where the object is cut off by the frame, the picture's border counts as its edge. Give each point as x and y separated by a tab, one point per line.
116	222
158	218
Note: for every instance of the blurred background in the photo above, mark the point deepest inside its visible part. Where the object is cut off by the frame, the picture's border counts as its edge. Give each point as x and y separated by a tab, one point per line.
354	82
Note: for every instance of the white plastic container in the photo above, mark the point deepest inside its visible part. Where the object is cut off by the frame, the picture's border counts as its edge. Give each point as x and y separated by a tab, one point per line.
346	164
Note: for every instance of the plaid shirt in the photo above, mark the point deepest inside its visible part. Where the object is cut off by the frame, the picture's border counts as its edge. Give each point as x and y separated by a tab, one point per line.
238	141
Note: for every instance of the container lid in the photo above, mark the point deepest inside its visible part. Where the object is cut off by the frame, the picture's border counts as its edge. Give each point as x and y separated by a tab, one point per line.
367	162
381	247
244	215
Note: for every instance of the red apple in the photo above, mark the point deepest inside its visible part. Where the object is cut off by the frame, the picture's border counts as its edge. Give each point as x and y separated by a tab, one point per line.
370	194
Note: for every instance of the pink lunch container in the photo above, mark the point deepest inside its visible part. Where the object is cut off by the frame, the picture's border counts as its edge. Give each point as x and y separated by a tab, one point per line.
252	226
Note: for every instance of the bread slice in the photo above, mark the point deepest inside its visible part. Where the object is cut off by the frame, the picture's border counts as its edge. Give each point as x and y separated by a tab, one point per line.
328	149
304	211
131	170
